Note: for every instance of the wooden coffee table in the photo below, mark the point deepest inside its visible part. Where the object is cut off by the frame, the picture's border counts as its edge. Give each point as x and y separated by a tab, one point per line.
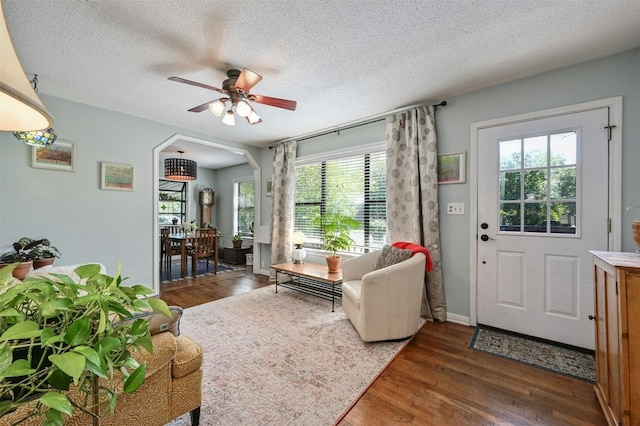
311	278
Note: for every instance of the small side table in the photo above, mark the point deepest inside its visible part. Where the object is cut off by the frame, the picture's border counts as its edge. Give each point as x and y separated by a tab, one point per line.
236	255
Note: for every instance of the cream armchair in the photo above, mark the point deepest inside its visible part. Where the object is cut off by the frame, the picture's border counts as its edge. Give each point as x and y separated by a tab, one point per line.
383	304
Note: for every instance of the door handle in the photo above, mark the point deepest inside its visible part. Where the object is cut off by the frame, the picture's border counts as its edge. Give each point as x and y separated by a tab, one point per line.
485	237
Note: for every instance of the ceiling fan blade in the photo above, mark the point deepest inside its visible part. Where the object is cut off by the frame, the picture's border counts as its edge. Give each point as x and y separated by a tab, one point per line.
202	107
247	80
195	83
276	102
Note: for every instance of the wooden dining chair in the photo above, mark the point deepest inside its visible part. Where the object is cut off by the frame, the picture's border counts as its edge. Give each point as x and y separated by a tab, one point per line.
168	249
204	246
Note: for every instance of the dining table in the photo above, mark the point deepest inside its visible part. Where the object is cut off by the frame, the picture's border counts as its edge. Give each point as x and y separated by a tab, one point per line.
184	239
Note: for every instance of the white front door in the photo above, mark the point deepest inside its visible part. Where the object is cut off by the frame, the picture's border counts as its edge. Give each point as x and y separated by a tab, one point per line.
542	205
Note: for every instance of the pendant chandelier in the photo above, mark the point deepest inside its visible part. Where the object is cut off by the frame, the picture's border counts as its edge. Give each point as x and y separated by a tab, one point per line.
37	138
180	168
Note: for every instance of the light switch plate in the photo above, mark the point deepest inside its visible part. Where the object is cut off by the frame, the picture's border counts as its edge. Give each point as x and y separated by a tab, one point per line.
455	208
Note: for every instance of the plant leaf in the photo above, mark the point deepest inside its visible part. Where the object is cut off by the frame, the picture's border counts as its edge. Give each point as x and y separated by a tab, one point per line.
20	367
11	312
87	271
57	401
78	332
136	378
59	380
88	353
22	330
70	363
54	418
160	305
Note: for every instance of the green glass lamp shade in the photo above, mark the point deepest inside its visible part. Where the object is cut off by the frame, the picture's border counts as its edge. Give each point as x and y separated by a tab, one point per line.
37	138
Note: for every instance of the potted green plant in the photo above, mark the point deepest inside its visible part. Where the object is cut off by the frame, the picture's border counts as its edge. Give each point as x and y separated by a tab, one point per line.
237	241
59	332
336	235
20	255
40	251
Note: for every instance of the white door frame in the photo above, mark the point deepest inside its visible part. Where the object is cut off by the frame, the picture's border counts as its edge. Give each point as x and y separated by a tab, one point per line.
615	178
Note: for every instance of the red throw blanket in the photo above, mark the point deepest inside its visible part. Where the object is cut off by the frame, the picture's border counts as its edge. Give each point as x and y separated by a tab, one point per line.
415	248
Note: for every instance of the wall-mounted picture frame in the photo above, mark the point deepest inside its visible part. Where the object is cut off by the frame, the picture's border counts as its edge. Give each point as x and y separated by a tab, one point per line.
452	167
61	155
269	187
116	176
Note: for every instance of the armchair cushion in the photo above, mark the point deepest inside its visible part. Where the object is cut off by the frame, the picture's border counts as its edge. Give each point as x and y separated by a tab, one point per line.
391	255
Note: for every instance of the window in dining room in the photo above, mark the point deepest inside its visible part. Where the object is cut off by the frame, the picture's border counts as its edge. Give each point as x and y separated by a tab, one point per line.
243	202
172	202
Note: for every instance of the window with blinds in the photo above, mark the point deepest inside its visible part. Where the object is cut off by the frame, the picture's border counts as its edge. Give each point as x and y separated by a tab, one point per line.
243	207
353	186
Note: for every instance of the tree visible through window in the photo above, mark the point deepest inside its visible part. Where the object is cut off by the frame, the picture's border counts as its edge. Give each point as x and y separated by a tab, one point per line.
538	190
353	186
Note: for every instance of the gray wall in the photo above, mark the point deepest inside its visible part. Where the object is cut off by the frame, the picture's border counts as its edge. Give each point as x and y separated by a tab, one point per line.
617	75
88	224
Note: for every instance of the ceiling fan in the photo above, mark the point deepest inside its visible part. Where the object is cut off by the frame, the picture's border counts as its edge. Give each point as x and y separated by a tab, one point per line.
236	88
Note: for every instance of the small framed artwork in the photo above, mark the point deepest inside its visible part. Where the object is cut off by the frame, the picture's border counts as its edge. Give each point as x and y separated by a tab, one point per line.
451	168
116	176
269	187
59	156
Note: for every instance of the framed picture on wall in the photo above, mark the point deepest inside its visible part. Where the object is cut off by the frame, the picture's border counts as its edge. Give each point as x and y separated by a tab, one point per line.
451	168
269	187
116	176
61	155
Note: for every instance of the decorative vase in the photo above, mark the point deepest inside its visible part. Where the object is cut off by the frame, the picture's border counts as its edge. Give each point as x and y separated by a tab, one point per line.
333	263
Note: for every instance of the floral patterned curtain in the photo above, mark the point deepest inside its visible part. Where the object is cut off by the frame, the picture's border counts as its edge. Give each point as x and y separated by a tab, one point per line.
283	189
412	195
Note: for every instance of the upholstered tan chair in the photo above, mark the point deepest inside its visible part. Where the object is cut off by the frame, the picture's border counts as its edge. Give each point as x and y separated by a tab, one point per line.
172	385
383	304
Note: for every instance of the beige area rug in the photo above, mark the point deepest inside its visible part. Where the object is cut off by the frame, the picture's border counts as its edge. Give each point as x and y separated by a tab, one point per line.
280	359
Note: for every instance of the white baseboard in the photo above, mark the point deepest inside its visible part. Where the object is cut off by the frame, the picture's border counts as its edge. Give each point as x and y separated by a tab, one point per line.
264	272
458	319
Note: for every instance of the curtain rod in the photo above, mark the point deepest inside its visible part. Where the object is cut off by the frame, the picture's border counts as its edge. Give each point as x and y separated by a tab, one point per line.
354	124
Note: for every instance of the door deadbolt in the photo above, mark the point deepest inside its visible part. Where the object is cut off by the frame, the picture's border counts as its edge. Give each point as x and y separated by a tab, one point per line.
484	226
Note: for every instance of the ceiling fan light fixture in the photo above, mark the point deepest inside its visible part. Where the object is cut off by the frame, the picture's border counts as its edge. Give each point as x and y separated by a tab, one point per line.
254	118
229	119
243	109
217	107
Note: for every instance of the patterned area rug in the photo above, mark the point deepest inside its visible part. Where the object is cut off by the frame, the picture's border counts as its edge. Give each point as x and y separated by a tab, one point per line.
280	359
574	362
201	270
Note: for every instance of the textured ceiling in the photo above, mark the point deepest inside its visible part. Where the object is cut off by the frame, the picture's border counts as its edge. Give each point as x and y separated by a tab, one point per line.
340	60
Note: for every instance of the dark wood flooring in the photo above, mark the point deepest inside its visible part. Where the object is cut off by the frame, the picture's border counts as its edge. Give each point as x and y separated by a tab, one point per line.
437	379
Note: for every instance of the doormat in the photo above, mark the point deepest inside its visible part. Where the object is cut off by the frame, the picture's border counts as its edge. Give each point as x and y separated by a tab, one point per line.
564	359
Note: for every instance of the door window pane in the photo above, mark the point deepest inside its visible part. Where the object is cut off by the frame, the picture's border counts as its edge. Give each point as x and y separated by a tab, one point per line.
535	184
535	152
563	148
563	218
535	217
510	186
563	183
510	154
510	217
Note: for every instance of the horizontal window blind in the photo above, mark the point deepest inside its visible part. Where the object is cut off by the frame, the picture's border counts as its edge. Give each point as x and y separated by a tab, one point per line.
354	186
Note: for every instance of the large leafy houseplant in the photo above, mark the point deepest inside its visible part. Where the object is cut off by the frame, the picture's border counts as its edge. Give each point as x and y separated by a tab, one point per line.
59	333
336	235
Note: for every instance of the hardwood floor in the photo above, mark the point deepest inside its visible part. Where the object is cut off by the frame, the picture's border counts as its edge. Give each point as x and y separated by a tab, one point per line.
437	379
